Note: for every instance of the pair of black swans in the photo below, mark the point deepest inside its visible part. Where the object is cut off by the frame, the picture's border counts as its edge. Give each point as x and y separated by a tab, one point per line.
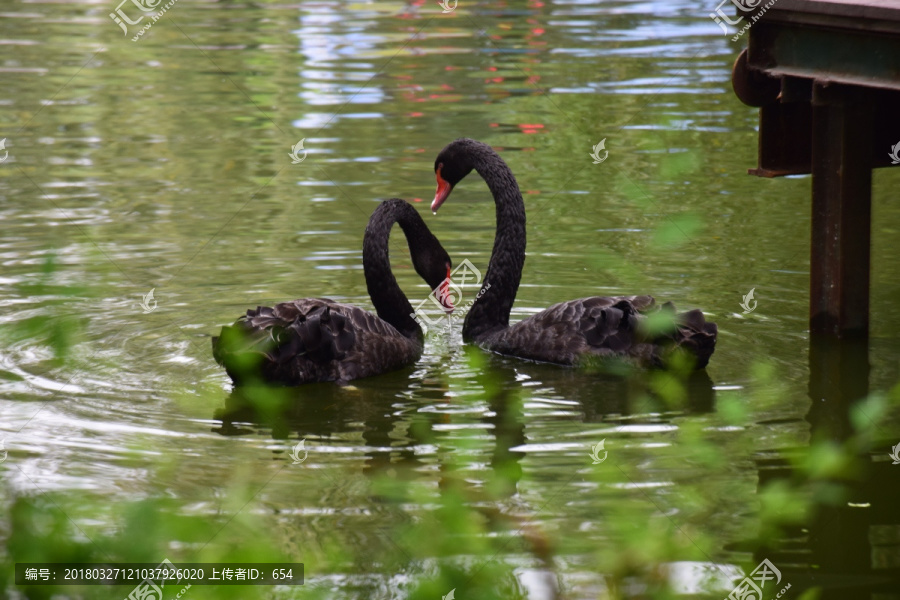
316	339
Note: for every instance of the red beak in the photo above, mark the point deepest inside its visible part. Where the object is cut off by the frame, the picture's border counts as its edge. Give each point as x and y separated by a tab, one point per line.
444	294
443	191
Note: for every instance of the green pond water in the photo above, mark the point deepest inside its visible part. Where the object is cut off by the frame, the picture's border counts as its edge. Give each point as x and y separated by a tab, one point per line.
164	164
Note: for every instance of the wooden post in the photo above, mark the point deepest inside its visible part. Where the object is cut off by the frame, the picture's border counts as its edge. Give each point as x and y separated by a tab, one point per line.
841	211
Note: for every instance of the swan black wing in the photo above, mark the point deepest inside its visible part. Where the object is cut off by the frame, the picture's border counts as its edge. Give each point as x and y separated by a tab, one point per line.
605	326
309	340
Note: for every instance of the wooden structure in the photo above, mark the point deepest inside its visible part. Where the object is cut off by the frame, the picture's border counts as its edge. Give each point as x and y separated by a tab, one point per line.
826	76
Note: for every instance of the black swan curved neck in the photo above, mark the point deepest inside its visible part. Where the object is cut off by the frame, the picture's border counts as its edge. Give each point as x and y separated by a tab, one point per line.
491	311
391	304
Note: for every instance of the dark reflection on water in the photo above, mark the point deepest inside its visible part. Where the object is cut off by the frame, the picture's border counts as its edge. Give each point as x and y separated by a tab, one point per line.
847	546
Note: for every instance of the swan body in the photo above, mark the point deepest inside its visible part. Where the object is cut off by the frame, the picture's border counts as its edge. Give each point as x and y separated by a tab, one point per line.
314	339
599	326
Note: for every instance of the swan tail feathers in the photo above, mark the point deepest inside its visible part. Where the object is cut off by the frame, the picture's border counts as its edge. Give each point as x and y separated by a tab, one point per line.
697	336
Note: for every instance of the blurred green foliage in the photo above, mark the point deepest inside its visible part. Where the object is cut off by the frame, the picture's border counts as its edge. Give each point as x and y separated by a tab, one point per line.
477	530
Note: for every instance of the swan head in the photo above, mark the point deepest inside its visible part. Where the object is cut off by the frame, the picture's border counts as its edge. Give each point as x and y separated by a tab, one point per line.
433	264
452	164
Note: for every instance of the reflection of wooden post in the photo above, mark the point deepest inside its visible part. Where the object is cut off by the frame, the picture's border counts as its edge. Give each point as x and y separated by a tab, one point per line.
839	534
841	213
833	544
838	379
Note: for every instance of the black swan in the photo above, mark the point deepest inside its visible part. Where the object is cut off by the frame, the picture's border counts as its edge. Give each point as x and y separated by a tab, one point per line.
565	333
317	339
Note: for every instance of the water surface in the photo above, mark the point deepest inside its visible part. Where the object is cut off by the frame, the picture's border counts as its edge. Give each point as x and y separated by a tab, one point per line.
163	164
